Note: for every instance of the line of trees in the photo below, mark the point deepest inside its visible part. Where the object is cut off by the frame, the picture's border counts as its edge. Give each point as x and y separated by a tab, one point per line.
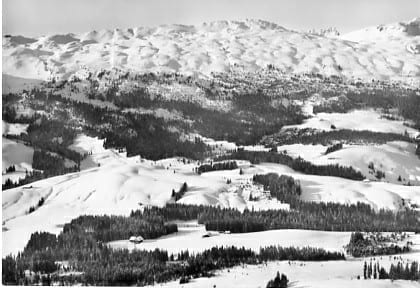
334	148
271	253
395	272
297	164
314	216
311	136
225	165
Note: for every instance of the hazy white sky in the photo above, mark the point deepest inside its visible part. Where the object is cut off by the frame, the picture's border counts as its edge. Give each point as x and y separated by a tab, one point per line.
37	17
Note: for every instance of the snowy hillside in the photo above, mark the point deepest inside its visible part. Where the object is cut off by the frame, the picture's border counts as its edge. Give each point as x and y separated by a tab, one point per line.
212	47
117	185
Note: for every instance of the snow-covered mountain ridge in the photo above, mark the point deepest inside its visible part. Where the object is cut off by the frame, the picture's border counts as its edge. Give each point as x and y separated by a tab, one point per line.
396	31
217	47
